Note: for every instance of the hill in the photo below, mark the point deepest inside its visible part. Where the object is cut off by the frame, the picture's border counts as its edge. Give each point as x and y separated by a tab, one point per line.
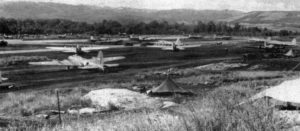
90	14
276	20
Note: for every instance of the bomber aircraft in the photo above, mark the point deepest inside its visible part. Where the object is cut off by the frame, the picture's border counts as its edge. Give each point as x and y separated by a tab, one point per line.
78	62
172	46
275	44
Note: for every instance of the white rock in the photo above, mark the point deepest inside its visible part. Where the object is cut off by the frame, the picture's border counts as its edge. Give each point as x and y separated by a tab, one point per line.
70	111
135	88
87	111
41	116
121	98
220	66
167	104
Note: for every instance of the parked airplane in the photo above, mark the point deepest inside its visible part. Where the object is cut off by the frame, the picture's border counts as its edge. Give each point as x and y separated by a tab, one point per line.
172	46
78	49
92	39
274	44
79	62
277	48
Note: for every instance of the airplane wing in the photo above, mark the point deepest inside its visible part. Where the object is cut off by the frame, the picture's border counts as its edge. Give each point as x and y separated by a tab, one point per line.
4	79
257	40
111	65
63	49
154	46
108	59
56	62
191	46
276	42
88	49
167	48
280	43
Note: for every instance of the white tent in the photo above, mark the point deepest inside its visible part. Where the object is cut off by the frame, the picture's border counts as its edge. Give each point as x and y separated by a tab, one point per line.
290	53
288	91
178	42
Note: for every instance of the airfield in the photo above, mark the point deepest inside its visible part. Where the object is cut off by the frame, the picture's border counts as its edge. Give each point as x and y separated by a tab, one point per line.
204	70
138	59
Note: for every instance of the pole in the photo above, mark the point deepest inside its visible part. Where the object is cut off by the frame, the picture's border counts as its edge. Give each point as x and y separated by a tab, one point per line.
58	106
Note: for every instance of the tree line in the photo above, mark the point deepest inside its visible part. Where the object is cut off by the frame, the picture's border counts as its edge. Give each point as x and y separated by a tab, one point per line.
61	26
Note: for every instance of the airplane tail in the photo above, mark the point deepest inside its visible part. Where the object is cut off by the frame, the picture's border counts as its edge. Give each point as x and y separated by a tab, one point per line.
215	36
100	58
78	49
265	44
294	41
98	61
178	42
269	39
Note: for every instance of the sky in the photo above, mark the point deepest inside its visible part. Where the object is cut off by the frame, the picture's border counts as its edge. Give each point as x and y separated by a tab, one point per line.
241	5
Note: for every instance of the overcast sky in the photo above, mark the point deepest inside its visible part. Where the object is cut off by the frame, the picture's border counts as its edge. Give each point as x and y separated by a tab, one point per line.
242	5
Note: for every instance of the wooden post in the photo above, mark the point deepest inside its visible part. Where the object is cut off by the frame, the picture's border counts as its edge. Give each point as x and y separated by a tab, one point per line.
58	106
267	100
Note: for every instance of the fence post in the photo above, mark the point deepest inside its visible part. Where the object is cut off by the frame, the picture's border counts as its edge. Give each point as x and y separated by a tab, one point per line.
58	106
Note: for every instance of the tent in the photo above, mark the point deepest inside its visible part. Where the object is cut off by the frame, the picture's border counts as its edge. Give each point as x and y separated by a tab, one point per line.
288	91
168	87
290	53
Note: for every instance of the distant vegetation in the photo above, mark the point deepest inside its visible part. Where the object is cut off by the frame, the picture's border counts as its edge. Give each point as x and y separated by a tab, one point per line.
60	26
273	20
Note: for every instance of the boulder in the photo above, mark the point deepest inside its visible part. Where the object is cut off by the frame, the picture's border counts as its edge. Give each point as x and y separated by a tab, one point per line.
168	104
82	111
87	111
121	98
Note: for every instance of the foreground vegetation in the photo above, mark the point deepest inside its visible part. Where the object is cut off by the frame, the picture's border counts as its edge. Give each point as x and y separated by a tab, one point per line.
217	109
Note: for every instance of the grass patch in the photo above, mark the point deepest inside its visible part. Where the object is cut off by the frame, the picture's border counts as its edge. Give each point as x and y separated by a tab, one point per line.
217	109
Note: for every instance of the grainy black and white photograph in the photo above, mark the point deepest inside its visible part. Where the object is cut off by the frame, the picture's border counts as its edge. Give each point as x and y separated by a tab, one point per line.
150	65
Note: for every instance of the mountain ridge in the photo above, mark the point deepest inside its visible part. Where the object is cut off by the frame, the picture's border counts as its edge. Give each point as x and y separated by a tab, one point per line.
90	14
276	20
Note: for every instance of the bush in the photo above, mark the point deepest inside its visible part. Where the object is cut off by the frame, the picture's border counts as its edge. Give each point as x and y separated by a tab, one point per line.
112	107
